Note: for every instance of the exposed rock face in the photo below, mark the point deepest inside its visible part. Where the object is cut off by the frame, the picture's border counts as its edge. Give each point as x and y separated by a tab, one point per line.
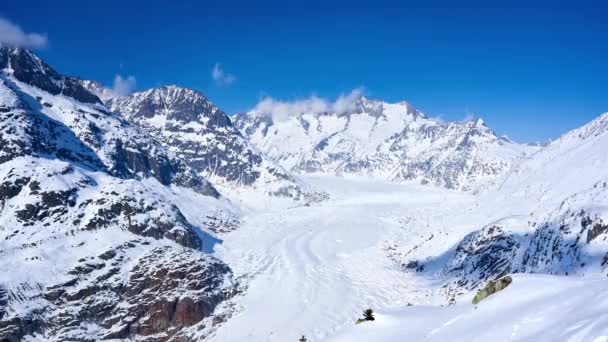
390	141
87	135
58	207
167	291
483	255
188	290
28	68
94	247
569	240
491	288
572	238
191	126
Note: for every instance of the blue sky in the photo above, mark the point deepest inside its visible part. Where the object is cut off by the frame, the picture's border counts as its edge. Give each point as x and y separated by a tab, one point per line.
531	70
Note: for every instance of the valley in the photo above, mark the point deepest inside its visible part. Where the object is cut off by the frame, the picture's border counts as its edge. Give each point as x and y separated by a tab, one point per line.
156	216
313	269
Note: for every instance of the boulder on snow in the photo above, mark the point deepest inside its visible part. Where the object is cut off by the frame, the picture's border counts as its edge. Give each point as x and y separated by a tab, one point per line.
491	288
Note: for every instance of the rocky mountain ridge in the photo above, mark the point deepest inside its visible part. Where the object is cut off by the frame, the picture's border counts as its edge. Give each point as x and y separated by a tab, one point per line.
203	136
107	253
388	141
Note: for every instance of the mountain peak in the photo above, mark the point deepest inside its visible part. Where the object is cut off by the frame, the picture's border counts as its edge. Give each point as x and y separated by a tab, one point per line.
382	140
178	103
28	68
174	91
188	123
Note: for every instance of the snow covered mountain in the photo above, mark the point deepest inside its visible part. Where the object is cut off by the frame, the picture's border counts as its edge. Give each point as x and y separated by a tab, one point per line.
97	89
389	141
551	217
93	243
188	124
109	216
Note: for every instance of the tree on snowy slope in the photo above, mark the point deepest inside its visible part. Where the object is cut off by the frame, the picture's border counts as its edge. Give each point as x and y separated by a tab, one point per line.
368	315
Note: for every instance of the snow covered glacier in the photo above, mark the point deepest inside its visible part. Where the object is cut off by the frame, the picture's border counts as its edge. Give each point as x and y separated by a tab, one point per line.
156	216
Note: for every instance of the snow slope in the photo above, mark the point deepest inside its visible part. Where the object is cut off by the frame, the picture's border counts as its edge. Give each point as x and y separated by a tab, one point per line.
534	308
573	162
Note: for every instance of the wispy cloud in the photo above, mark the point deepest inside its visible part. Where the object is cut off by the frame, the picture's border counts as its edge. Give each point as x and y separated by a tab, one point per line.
282	110
13	35
221	77
469	116
123	86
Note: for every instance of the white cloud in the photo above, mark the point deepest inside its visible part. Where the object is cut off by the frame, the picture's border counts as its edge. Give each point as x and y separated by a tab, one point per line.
347	103
469	116
282	110
123	86
221	77
13	35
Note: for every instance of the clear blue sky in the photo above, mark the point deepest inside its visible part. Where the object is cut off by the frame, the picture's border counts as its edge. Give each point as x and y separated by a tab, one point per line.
531	70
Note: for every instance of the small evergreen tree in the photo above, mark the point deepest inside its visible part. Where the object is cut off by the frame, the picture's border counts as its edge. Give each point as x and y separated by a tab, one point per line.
368	315
303	339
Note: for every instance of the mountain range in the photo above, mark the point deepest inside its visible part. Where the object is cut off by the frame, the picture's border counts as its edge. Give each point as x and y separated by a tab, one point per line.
388	141
136	217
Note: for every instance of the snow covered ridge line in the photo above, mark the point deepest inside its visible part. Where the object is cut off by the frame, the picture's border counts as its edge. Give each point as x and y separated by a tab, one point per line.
86	133
386	141
30	69
92	242
203	136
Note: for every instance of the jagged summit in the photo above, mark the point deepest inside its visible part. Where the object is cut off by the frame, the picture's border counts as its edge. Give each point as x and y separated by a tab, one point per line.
202	135
30	69
391	141
173	102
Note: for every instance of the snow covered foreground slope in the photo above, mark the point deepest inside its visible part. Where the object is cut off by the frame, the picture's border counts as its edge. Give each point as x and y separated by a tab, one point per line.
92	245
387	141
534	308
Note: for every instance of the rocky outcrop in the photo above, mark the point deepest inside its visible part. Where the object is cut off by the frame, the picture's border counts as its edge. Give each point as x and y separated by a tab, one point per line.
28	68
487	254
63	206
87	135
573	238
491	288
167	291
92	246
202	135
